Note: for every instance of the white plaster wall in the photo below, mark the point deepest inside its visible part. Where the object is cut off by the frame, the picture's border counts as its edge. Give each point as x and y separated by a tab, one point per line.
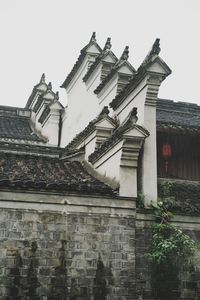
128	182
82	105
135	99
108	93
109	165
149	168
147	118
50	130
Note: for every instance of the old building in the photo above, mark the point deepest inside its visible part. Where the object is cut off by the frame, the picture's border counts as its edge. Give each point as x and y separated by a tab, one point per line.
71	224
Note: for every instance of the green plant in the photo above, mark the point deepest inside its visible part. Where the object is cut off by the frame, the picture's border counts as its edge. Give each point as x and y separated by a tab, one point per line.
166	188
170	249
141	200
169	244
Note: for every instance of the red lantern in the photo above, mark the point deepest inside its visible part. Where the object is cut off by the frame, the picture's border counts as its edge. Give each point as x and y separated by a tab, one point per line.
166	153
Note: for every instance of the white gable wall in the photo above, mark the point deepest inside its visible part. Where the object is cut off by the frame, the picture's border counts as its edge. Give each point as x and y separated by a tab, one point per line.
82	104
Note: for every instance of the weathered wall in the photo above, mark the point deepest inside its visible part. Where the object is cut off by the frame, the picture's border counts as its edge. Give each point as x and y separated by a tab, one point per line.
57	254
55	248
183	283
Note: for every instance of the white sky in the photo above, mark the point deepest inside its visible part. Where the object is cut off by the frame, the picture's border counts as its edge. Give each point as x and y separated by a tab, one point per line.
46	36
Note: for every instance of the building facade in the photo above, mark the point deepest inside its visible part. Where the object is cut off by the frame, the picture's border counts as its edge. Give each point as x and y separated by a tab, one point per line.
72	179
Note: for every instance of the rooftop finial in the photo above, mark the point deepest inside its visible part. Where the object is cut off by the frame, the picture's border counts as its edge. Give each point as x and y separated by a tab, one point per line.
133	115
42	80
125	54
156	47
107	44
93	37
49	87
105	111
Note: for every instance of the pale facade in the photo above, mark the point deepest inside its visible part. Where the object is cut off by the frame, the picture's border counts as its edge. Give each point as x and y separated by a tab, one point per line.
98	80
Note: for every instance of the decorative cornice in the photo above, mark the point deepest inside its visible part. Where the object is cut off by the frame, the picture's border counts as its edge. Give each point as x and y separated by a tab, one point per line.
140	75
99	59
118	135
130	151
89	129
152	90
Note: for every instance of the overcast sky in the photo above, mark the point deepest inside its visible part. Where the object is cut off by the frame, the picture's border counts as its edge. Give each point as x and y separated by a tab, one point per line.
46	36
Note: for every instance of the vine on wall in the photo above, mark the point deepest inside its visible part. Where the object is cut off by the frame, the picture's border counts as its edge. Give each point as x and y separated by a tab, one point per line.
170	249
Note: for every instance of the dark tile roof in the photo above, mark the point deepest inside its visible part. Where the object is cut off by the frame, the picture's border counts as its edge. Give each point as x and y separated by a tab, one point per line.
88	129
139	76
15	126
117	135
177	115
183	197
79	61
45	173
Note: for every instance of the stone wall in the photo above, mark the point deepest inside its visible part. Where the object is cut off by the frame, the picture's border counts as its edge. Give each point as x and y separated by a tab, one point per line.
65	250
178	284
57	255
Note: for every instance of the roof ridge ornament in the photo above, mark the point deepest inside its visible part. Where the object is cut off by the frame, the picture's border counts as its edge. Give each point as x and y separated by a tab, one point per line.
155	50
93	37
125	54
156	47
42	79
105	111
49	87
108	44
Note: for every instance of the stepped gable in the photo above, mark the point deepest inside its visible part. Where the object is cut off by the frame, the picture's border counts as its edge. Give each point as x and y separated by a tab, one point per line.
114	70
181	116
15	125
139	76
80	59
99	58
117	135
88	129
36	88
47	173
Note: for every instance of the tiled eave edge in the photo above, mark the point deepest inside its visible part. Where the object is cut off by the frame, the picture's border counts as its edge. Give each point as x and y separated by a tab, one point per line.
176	128
184	197
56	187
29	149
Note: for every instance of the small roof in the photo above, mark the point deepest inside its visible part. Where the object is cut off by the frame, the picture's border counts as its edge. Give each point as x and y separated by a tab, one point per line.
129	123
15	125
49	174
184	195
179	116
88	129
